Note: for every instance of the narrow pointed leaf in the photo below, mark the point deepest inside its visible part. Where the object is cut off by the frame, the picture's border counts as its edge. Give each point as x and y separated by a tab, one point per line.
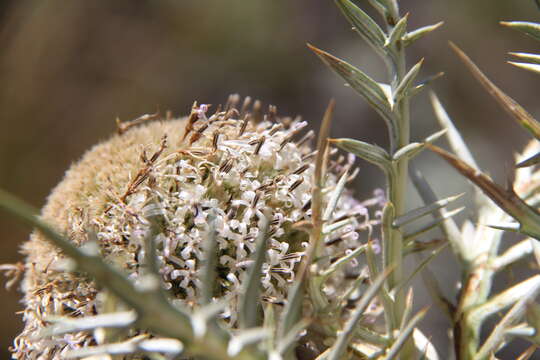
417	34
65	325
519	114
533	160
449	227
536	250
245	338
527	354
364	25
531	67
432	224
413	149
404	335
408	308
249	307
371	153
533	319
529	28
289	340
457	143
379	6
511	226
398	32
506	199
527	57
497	336
423	211
334	197
407	82
210	262
344	337
339	263
527	289
137	345
419	268
515	253
368	88
424	83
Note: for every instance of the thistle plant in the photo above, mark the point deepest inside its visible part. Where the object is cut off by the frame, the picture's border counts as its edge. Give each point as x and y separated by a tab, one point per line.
226	235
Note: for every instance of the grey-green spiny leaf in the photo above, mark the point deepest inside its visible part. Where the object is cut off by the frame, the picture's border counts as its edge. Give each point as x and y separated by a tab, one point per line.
397	32
527	57
364	25
419	33
411	150
432	224
423	211
407	82
531	67
394	350
344	338
530	28
371	153
368	88
251	292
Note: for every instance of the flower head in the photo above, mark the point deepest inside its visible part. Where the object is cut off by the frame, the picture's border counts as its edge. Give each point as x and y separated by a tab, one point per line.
233	167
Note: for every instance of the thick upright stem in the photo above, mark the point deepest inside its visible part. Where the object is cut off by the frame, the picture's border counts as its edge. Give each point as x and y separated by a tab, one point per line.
397	186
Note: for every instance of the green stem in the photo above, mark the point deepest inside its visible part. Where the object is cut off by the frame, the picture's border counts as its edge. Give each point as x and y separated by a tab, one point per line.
397	186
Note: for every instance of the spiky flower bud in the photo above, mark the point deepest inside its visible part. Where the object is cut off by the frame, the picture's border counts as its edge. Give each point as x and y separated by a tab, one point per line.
232	166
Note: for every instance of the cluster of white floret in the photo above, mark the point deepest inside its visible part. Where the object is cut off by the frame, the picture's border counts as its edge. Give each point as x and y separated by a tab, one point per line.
225	171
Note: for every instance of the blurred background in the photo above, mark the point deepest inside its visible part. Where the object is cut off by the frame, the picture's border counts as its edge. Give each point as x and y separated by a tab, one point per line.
69	68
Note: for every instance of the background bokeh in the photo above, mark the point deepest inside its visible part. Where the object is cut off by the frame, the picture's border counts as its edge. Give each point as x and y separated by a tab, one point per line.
69	68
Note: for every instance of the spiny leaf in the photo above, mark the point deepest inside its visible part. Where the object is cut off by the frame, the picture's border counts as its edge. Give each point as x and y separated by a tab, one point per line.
408	308
522	117
404	335
533	319
531	58
289	340
529	28
423	211
419	268
424	83
407	82
514	253
411	150
249	307
449	227
457	143
372	153
533	160
344	337
139	344
379	6
526	355
506	199
497	336
414	35
245	338
527	289
368	88
64	325
342	261
397	32
432	224
208	270
334	196
364	25
531	67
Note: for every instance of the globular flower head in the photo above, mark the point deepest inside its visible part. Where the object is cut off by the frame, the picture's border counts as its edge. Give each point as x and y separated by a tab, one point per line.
230	168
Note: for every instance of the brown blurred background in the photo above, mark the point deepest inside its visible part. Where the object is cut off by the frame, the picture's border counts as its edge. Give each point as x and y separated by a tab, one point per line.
69	68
